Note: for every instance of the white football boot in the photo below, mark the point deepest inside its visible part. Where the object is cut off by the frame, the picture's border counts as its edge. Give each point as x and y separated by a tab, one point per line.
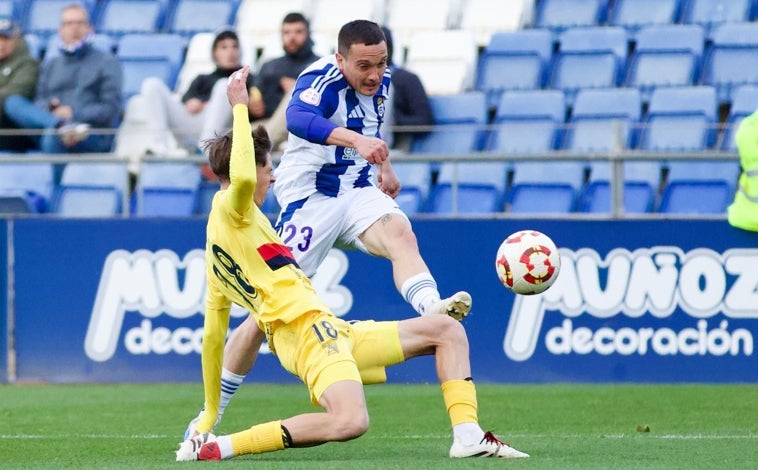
489	446
457	305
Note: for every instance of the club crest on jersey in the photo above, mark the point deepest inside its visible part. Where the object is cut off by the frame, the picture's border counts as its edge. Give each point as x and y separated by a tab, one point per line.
310	96
380	106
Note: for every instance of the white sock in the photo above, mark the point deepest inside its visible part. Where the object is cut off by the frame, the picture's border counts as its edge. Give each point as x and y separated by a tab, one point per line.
420	291
225	446
230	382
468	433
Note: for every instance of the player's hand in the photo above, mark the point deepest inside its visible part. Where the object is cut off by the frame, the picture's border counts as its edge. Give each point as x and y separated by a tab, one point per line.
236	91
373	149
389	183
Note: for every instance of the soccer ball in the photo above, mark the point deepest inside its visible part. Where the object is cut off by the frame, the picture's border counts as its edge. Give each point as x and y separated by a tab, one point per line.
527	262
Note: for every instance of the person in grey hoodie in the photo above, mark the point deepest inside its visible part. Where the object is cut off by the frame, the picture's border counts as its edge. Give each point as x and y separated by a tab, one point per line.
79	89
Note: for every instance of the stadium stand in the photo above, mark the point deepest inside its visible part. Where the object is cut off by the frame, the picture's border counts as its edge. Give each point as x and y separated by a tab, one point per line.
636	14
199	58
545	187
516	60
187	17
680	119
528	121
34	43
469	188
166	190
26	187
8	9
91	190
416	178
699	187
665	56
150	55
641	185
732	59
261	20
405	18
484	18
589	58
118	17
445	61
558	15
603	120
745	103
459	123
328	16
42	17
711	13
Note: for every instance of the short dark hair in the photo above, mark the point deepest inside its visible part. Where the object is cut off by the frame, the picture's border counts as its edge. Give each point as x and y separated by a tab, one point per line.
296	17
358	32
219	150
224	33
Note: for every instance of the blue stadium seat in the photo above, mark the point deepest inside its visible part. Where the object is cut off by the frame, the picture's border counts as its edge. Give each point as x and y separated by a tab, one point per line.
635	14
42	17
562	14
91	190
514	61
528	121
117	17
26	185
10	9
589	58
206	191
680	119
732	59
479	190
744	104
415	178
665	56
167	189
459	124
545	187
699	187
641	183
188	17
603	120
711	13
150	55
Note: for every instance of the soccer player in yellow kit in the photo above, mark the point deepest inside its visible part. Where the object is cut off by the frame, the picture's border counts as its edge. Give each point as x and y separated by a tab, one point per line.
248	264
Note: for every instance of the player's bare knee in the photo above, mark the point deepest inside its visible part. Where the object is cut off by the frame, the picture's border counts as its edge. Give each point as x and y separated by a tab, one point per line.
449	330
350	426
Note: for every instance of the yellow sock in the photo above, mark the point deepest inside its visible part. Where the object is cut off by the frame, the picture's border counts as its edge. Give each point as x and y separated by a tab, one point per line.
266	437
460	400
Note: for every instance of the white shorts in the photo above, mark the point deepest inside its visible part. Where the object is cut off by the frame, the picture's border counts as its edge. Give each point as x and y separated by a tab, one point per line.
311	227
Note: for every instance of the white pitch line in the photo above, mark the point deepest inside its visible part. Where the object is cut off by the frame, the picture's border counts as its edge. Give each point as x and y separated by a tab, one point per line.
651	435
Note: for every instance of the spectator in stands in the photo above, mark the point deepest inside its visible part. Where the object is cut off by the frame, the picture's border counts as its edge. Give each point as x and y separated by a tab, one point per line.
276	78
77	90
165	121
409	104
18	76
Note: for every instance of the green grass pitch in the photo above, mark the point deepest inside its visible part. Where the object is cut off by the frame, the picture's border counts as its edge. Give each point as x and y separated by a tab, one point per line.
561	426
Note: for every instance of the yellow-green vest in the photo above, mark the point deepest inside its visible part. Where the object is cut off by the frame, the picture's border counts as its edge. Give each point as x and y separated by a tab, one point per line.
743	212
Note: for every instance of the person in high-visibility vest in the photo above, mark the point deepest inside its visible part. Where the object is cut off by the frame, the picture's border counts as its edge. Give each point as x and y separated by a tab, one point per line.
743	212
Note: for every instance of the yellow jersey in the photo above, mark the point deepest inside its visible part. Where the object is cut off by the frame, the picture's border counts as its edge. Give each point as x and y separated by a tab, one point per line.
246	263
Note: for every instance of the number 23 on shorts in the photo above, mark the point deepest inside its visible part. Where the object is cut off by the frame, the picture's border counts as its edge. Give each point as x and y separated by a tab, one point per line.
290	233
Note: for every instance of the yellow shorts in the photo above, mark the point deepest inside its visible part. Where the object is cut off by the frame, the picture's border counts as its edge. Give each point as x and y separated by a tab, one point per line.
322	349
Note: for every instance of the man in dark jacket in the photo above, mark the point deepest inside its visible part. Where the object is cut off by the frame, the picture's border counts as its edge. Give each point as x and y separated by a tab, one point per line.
277	77
18	76
409	104
77	90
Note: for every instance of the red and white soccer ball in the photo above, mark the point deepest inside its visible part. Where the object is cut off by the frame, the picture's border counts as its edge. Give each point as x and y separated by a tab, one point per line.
528	262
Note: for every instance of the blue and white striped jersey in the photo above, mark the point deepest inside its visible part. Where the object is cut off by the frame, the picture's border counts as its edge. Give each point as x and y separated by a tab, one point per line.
307	167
